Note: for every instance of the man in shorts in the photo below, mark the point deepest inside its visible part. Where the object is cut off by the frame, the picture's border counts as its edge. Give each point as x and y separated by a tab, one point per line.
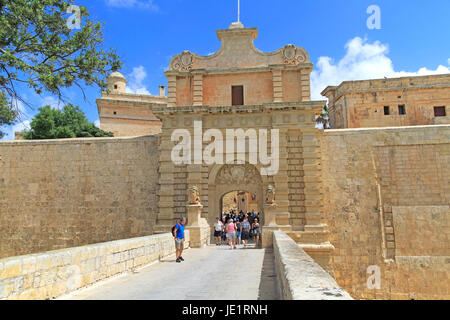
245	230
178	235
218	226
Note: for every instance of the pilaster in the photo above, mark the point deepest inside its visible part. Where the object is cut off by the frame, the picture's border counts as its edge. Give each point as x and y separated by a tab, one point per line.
277	86
198	90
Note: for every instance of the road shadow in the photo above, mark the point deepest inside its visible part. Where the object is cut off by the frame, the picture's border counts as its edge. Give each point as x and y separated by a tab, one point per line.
268	286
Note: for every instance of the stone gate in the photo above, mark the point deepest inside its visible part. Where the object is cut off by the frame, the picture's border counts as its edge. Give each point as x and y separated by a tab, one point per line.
273	100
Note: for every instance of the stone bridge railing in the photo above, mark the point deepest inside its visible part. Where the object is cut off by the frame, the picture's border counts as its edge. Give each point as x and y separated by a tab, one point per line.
51	274
299	276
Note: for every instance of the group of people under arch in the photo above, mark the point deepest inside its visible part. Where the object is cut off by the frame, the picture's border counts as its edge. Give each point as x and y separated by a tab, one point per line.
234	229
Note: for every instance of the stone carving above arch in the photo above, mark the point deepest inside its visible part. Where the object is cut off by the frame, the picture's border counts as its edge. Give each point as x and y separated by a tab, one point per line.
182	62
238	174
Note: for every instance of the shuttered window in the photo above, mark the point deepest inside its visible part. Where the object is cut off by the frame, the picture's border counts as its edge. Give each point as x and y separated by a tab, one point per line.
439	111
237	93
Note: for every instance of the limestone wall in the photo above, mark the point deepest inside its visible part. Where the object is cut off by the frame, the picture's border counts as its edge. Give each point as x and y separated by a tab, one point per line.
66	193
387	197
52	274
361	104
299	276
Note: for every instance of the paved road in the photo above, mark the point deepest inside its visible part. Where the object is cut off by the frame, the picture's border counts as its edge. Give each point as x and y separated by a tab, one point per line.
212	273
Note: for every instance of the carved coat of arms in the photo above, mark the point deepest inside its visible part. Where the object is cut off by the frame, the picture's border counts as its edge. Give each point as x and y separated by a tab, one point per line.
292	55
183	61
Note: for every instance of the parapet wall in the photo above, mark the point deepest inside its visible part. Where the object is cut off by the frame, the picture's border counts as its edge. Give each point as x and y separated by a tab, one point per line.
57	194
52	274
299	276
387	197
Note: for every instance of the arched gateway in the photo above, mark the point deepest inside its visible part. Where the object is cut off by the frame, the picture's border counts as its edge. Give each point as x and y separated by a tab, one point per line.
231	177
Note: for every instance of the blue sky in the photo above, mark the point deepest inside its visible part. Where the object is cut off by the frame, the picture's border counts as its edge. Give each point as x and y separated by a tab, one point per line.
414	38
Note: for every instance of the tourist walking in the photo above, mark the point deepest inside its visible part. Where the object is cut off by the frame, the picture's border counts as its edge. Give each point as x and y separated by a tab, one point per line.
231	234
256	232
245	230
238	232
178	234
224	230
218	226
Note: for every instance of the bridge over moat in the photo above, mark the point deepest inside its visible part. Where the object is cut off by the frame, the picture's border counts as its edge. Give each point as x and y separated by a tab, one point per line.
212	273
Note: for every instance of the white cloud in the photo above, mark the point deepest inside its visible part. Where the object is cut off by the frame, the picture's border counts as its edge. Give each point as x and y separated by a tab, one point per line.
52	102
97	123
135	84
140	4
362	61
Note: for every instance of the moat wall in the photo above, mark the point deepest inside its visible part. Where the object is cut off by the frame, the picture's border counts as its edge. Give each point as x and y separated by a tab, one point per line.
387	197
73	192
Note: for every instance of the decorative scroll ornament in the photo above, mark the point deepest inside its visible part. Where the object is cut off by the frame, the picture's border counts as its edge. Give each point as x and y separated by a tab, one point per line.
238	174
270	195
292	55
183	62
194	196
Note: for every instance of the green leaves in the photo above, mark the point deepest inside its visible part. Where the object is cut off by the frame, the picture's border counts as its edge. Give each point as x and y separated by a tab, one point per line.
38	49
7	114
70	122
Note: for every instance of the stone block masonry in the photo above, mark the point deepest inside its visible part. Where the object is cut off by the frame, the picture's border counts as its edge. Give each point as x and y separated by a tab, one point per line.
299	276
52	274
387	197
57	194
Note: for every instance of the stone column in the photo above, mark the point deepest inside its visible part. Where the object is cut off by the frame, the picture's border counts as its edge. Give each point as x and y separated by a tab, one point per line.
165	216
312	180
197	226
282	184
277	86
198	90
305	84
171	90
194	214
270	212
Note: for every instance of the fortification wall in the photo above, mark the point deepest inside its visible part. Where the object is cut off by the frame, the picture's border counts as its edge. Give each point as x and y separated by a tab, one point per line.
387	197
65	193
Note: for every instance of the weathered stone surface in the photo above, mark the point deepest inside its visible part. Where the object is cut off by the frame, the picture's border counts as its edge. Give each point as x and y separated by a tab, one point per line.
52	274
360	104
66	193
386	196
299	276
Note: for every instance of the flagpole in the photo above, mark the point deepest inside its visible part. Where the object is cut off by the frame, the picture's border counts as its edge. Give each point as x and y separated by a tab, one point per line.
239	11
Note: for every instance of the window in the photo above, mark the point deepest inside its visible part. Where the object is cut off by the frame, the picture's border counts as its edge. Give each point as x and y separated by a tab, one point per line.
115	112
115	86
386	111
439	112
237	95
401	109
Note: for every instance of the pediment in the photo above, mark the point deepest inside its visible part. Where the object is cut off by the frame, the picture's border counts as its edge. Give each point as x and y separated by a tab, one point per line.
239	52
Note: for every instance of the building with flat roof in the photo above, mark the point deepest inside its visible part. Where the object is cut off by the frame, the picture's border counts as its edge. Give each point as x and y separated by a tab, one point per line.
408	101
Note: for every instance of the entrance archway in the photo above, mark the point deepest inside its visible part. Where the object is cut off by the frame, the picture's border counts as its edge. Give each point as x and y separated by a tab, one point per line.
227	178
239	201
